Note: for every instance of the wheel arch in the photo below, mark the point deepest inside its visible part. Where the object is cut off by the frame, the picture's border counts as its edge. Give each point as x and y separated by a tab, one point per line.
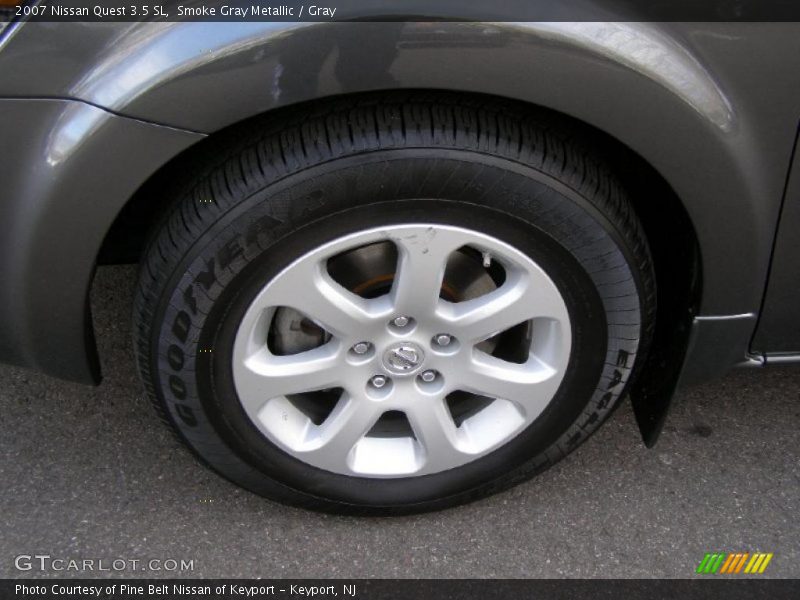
670	232
643	85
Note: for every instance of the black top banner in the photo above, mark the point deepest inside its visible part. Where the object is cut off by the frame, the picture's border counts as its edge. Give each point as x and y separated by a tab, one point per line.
400	10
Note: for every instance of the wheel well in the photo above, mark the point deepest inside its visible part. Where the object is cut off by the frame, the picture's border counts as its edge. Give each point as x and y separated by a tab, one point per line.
669	230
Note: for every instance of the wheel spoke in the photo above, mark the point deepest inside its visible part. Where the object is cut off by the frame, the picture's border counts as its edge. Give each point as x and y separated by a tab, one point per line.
437	434
349	422
309	289
530	386
518	300
266	376
421	264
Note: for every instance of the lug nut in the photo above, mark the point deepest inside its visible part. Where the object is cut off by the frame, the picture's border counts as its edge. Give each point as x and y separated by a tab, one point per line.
378	381
443	339
428	376
361	348
400	321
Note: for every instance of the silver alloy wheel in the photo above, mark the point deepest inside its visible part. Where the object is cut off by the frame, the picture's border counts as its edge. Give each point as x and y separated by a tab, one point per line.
517	392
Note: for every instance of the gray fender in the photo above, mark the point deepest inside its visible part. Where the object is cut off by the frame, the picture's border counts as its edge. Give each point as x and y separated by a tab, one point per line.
67	169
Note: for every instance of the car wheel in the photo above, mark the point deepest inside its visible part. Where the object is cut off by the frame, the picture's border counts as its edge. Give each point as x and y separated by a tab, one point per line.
393	305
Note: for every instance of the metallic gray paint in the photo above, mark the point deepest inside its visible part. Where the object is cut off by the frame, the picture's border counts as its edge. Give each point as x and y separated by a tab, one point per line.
712	107
67	168
716	343
778	335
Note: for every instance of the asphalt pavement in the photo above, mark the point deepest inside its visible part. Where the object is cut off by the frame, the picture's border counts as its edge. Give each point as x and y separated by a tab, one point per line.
91	473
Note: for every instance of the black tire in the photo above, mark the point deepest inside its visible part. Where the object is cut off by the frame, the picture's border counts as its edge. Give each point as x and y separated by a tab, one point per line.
280	190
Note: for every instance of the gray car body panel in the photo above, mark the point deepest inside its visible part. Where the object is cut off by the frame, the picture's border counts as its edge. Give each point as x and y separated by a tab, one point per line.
712	107
778	335
67	168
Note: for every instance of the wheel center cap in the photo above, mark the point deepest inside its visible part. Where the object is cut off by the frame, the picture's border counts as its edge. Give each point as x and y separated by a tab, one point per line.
403	358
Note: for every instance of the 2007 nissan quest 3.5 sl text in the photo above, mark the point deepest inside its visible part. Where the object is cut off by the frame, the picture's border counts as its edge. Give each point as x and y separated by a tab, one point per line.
389	267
